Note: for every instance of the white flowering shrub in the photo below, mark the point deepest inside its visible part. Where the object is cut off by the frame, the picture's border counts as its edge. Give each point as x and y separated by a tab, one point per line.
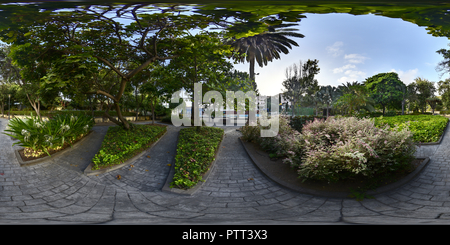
286	145
38	136
339	148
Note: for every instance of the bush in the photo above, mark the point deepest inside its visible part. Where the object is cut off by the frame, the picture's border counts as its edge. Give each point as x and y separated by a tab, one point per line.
297	122
285	145
167	119
425	128
342	148
38	136
195	153
120	145
390	114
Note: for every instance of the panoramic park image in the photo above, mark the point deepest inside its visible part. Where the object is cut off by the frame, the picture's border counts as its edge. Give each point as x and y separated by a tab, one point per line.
224	113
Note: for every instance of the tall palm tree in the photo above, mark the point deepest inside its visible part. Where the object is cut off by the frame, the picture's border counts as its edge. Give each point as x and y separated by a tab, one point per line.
266	46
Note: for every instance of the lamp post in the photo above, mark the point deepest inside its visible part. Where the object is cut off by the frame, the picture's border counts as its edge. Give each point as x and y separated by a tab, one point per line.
9	103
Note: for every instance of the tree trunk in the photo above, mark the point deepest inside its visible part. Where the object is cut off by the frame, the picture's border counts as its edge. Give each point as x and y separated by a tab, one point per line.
327	110
126	125
36	104
153	110
403	107
252	68
137	103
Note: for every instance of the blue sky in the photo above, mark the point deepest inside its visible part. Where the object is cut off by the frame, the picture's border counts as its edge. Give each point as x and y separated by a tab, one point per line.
352	48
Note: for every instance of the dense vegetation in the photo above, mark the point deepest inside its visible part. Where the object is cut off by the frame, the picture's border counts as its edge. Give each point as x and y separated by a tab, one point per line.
425	128
119	145
38	136
196	151
338	148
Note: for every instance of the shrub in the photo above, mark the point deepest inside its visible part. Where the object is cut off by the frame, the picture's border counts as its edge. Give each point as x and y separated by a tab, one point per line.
425	128
120	145
341	148
195	153
298	121
167	119
38	136
390	114
285	145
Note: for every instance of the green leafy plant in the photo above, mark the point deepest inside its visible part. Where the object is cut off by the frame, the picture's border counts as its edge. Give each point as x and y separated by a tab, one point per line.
195	152
120	145
425	128
341	148
38	136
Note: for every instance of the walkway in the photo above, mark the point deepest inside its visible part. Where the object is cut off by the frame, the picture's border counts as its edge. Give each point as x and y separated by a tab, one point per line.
57	192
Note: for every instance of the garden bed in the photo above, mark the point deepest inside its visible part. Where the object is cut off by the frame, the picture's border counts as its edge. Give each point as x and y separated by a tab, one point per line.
120	147
286	176
196	153
25	161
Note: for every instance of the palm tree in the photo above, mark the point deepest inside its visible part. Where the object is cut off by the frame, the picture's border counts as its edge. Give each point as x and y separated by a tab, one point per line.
346	88
356	97
266	46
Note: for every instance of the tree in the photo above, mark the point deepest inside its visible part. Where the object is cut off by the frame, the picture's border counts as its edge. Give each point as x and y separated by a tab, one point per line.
92	33
355	97
203	60
384	90
7	90
425	90
444	91
97	33
433	102
328	95
264	47
20	66
300	81
444	66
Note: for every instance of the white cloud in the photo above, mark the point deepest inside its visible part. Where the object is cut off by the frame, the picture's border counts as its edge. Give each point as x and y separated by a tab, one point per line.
352	76
408	76
335	49
355	58
341	69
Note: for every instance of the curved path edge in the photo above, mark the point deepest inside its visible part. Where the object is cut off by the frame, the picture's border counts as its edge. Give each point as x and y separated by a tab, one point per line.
304	190
88	171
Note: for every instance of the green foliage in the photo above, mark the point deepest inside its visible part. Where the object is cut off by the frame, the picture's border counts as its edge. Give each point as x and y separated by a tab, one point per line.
120	145
355	99
286	145
425	128
444	91
298	122
38	136
46	113
385	90
195	152
300	80
264	45
342	148
424	89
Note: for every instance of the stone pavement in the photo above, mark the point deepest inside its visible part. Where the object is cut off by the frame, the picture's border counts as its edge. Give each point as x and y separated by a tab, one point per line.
236	192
